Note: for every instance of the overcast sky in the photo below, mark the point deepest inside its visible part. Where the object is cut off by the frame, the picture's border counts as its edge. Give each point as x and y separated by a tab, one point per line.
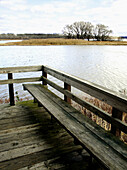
50	16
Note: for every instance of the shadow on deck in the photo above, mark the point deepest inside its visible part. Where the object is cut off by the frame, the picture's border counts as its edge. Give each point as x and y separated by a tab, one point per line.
29	139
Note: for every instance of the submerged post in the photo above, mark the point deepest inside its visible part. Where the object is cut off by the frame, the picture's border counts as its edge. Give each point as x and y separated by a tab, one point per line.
11	90
67	87
116	114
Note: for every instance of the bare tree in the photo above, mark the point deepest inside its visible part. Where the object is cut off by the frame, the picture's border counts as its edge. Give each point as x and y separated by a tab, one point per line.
102	32
79	30
76	28
88	30
68	31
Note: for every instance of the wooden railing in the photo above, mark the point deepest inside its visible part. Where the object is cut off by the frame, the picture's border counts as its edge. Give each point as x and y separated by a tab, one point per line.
117	101
10	81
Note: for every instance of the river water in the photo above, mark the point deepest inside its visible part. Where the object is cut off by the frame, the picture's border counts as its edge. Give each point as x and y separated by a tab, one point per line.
7	41
103	65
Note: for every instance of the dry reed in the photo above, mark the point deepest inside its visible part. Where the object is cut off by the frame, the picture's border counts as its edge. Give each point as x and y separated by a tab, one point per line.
62	41
105	107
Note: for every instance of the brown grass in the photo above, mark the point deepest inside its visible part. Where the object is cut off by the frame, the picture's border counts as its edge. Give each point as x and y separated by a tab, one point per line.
62	41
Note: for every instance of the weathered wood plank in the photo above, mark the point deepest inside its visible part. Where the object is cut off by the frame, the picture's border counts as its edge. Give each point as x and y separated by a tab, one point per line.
119	115
37	157
97	130
19	129
108	117
19	136
11	90
30	145
16	119
20	69
14	153
66	98
46	129
17	124
5	121
14	112
21	80
33	139
113	98
38	166
84	135
53	163
61	143
44	74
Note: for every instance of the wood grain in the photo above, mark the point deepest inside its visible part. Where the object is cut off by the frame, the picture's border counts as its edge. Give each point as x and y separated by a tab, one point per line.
108	96
83	134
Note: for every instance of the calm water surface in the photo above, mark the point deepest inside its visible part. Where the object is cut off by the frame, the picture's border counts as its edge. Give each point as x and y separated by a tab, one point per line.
7	41
103	65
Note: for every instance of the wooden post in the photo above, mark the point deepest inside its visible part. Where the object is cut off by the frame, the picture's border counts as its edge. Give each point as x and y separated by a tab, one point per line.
35	100
116	114
67	87
44	74
11	90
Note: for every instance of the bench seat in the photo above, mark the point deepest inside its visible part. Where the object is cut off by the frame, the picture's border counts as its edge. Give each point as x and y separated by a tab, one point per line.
102	145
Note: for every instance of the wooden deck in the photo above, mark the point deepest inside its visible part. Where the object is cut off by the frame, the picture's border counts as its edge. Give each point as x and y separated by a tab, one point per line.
29	139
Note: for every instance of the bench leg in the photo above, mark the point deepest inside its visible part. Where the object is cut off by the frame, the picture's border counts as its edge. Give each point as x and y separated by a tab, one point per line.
76	142
39	104
52	119
91	163
35	100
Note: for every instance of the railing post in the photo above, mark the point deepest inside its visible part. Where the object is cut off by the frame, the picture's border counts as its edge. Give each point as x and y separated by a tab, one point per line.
11	90
44	74
116	114
67	87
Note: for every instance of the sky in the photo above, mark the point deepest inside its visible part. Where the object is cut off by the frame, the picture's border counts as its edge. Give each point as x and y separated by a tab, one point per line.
51	16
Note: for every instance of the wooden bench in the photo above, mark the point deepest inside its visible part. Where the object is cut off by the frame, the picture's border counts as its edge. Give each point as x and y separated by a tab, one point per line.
102	145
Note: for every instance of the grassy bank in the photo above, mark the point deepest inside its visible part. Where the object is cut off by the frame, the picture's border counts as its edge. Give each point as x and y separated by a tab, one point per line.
60	41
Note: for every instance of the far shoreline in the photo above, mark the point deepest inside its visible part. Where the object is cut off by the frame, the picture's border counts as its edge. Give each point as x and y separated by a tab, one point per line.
61	41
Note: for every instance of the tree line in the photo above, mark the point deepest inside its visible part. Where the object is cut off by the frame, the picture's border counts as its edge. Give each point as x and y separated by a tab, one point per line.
29	36
86	30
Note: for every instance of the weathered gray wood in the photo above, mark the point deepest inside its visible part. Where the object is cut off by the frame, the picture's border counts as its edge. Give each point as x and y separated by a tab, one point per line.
19	129
35	139
67	87
10	154
43	165
116	100
11	90
119	115
112	141
18	136
38	166
86	137
52	134
21	80
44	74
44	155
20	69
108	117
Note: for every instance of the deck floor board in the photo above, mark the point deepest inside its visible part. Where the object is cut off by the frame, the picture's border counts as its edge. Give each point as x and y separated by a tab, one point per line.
30	140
